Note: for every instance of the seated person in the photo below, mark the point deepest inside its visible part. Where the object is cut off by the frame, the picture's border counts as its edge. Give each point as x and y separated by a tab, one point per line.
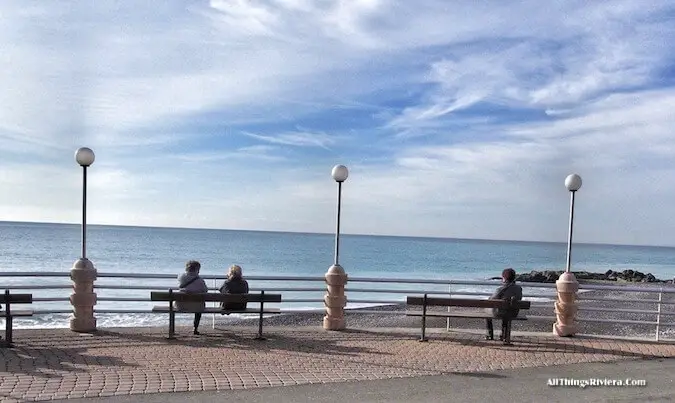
235	284
508	290
190	282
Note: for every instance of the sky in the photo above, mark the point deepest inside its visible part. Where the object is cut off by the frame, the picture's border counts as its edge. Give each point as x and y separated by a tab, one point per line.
455	118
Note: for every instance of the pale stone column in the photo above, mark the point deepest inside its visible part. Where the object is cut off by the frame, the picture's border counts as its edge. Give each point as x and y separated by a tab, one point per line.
335	299
566	305
83	298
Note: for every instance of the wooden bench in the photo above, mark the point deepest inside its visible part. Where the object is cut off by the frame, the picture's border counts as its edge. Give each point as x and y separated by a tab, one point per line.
172	296
427	301
6	300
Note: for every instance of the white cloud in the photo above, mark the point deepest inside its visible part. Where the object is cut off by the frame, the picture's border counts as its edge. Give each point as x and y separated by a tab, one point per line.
254	153
157	89
300	139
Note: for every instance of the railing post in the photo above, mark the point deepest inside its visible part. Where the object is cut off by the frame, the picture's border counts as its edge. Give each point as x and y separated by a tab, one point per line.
335	299
447	320
658	315
566	305
215	304
83	298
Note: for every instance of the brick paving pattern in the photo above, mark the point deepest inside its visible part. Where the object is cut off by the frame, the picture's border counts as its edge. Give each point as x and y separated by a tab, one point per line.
57	363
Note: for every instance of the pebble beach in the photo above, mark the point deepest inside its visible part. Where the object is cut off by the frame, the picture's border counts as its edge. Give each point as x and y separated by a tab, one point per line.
393	316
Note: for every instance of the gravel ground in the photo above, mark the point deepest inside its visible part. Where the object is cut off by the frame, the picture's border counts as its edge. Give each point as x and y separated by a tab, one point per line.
396	316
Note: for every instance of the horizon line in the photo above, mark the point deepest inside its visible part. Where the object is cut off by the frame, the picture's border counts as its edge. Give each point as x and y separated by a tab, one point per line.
332	234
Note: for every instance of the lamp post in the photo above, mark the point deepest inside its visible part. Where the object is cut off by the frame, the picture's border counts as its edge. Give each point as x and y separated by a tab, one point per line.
567	285
572	183
83	272
339	174
336	278
85	157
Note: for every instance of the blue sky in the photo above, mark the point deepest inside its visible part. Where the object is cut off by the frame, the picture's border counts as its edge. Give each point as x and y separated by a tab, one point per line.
456	119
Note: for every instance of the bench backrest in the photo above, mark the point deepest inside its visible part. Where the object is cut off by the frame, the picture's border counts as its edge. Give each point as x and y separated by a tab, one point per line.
469	303
213	297
6	297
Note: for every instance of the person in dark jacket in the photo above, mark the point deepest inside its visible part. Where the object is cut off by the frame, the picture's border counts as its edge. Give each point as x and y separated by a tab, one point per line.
508	290
235	284
191	282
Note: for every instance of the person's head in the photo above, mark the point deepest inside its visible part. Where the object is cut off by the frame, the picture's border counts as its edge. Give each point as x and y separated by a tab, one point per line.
234	272
192	266
508	275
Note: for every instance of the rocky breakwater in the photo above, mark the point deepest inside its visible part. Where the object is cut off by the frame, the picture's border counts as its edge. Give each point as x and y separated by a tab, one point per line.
550	276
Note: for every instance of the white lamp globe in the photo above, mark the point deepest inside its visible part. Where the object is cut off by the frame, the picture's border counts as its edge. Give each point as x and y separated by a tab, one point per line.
573	182
84	156
340	173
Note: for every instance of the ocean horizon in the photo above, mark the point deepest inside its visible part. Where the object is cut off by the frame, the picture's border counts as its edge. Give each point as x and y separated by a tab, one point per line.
32	248
439	238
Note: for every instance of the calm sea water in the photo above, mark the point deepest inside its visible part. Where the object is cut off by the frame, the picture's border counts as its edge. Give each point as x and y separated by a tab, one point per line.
36	247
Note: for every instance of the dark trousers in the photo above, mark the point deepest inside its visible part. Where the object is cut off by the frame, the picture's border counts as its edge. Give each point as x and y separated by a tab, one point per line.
490	329
198	317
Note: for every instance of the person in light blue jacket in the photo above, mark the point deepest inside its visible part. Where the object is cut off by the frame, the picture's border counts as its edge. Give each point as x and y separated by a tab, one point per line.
190	282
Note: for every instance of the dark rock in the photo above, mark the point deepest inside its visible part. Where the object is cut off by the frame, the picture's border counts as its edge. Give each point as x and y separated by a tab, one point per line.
535	276
551	276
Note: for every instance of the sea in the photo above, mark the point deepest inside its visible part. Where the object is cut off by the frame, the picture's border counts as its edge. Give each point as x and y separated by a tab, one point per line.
53	248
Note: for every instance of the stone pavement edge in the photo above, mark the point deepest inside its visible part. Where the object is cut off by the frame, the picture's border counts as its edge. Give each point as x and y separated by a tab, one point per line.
49	364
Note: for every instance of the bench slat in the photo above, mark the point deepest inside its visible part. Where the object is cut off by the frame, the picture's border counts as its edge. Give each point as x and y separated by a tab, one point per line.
17	312
213	297
16	298
165	309
467	303
476	315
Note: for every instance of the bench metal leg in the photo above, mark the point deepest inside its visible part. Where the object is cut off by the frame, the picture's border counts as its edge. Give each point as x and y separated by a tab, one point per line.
172	317
259	336
172	325
507	331
424	319
8	321
260	318
8	330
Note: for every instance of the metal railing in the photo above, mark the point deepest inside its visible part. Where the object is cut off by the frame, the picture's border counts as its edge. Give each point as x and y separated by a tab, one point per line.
363	293
658	310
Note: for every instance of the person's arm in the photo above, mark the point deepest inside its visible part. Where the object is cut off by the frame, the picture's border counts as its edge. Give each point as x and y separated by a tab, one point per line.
498	293
246	287
205	288
226	288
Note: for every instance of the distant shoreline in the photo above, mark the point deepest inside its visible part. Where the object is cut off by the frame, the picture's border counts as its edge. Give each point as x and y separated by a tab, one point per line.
627	276
418	237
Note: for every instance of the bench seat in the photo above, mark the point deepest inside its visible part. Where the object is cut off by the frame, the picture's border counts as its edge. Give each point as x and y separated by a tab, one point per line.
470	315
8	300
17	313
425	302
166	309
172	296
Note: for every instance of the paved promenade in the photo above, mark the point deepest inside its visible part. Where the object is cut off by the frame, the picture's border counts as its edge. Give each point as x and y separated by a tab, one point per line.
59	364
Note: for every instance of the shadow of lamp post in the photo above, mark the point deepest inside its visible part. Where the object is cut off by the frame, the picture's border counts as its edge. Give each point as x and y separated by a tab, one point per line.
83	272
336	278
567	285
